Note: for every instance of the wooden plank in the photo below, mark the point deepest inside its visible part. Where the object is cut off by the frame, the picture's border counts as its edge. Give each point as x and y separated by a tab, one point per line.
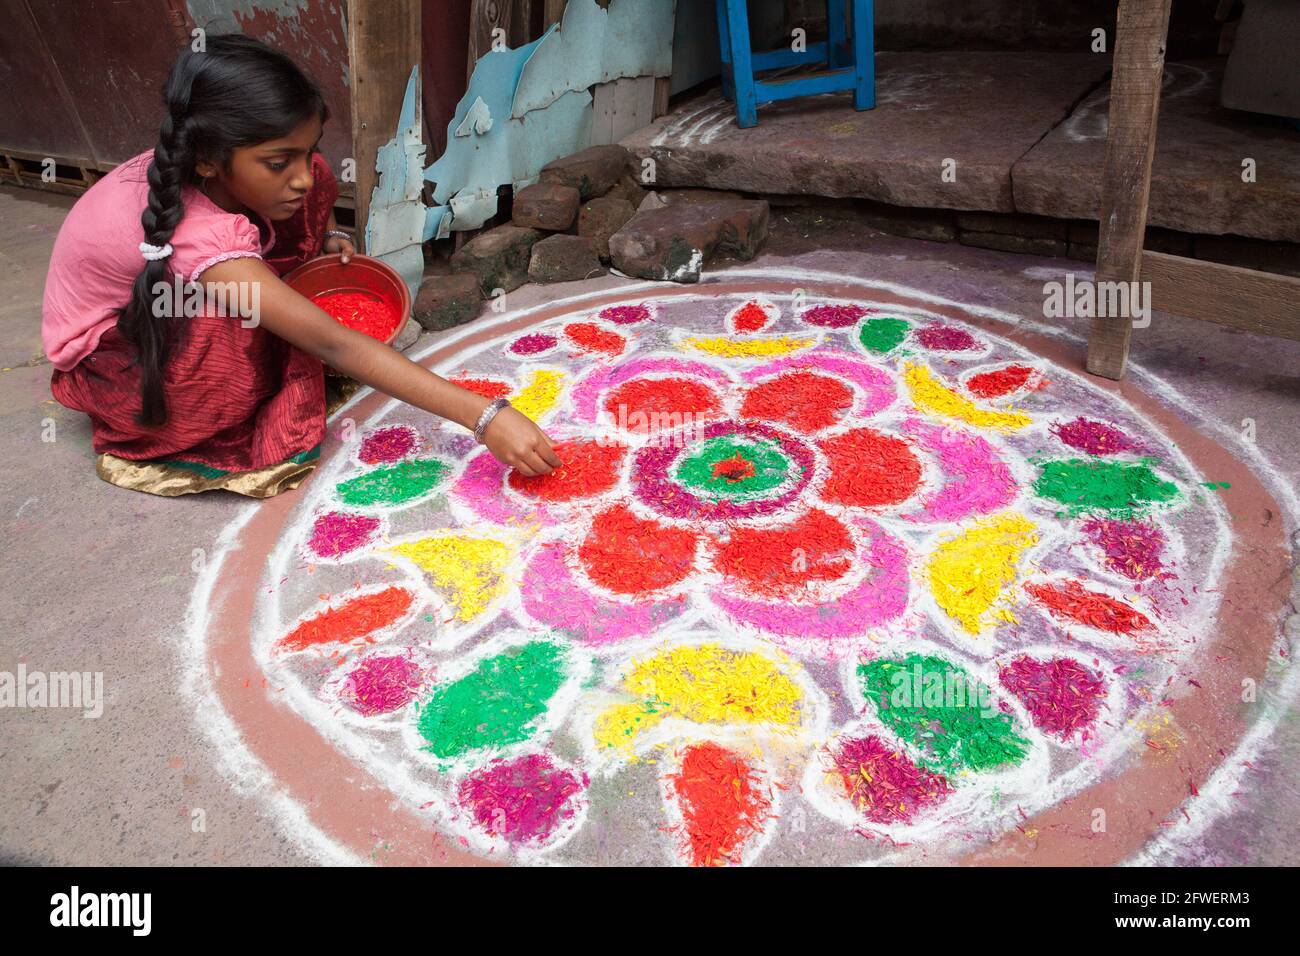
1126	177
663	91
602	114
634	103
383	46
1259	302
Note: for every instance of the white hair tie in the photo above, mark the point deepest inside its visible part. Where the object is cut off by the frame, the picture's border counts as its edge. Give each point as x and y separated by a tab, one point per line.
154	253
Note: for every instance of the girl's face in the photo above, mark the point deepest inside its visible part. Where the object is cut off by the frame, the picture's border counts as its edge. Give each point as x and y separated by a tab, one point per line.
270	178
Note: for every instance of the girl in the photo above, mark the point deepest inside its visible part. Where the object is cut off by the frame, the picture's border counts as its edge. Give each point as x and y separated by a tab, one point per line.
234	192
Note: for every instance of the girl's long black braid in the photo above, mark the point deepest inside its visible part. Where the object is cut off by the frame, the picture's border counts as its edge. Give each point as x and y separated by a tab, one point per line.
140	323
235	93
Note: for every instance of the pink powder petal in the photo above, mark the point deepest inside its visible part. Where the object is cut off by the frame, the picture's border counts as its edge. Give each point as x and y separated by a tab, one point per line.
881	597
877	387
977	480
553	596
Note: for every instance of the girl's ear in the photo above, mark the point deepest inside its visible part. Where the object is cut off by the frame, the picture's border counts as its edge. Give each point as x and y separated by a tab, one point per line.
205	169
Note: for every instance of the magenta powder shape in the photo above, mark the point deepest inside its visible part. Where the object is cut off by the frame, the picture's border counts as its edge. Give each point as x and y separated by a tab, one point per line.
533	343
625	314
653	465
1132	548
834	316
338	532
523	801
1094	438
897	791
1062	696
946	338
387	445
383	683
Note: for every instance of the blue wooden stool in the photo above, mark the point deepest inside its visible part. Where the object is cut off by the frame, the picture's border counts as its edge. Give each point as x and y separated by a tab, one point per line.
850	62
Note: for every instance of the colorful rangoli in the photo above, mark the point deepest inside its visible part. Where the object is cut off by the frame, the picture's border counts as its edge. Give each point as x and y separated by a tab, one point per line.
818	579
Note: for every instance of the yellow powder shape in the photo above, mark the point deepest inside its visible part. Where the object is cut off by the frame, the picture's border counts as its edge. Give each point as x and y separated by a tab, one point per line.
747	348
931	395
540	394
472	570
709	684
970	572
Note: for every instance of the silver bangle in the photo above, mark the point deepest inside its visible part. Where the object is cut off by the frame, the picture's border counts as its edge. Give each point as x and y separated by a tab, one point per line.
489	413
338	233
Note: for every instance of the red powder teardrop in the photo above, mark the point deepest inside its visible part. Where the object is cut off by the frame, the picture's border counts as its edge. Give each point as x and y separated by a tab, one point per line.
589	337
1004	381
724	802
803	400
750	317
870	470
631	555
351	620
1072	601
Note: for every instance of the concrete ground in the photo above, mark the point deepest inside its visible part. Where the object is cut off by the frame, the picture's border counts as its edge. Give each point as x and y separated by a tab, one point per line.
98	579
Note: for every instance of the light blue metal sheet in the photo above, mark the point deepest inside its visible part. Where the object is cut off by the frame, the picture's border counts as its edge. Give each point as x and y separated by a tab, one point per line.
398	218
594	45
488	148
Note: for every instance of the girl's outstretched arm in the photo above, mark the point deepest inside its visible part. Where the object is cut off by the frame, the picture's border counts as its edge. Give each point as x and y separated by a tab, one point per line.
511	437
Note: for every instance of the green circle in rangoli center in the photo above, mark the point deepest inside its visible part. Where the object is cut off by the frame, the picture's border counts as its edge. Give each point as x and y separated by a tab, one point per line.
733	467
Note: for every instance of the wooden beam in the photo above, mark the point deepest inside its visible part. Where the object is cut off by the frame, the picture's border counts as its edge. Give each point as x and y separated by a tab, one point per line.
1135	84
383	46
1259	302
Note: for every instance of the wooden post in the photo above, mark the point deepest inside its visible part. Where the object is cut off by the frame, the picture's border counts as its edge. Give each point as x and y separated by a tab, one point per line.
1136	79
383	46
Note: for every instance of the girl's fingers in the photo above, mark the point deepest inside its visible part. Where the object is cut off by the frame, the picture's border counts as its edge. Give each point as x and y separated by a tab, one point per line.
525	469
537	464
548	455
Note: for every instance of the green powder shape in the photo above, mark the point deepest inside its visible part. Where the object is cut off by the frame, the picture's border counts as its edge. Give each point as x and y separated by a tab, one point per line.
393	484
947	739
771	467
1118	488
881	335
496	704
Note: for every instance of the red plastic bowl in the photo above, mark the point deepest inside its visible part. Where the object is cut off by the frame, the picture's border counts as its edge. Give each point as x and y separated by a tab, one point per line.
363	274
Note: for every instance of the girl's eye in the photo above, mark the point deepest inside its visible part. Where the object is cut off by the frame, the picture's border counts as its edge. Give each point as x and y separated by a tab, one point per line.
278	167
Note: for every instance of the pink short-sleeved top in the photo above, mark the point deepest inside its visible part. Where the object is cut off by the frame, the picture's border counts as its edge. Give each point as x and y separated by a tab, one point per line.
97	256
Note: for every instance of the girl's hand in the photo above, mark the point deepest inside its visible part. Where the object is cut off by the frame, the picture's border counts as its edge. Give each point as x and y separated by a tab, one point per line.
515	441
342	246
